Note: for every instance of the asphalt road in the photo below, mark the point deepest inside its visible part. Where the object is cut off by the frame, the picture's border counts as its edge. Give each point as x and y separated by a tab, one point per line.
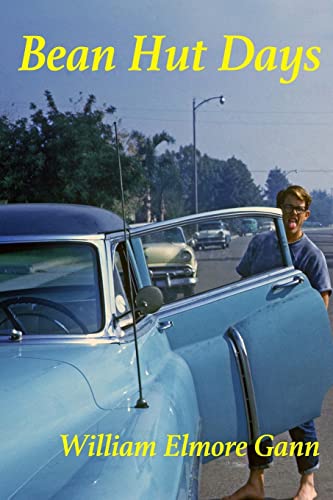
224	475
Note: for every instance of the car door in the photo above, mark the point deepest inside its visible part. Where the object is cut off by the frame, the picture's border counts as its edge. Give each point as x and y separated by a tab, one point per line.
259	349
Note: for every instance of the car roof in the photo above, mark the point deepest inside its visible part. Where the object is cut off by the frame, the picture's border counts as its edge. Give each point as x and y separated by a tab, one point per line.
29	219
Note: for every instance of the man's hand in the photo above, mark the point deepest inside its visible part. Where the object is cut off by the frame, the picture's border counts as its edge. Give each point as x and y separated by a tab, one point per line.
326	298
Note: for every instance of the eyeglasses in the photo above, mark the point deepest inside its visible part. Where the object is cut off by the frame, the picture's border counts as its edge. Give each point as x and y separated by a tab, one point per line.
290	208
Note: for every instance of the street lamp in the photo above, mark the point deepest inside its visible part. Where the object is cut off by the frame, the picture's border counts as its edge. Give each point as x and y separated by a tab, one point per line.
194	108
289	172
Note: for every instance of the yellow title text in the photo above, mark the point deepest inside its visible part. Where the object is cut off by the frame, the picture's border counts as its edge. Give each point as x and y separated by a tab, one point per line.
154	53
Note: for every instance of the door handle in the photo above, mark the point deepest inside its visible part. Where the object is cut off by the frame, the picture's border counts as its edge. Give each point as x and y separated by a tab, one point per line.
164	325
297	280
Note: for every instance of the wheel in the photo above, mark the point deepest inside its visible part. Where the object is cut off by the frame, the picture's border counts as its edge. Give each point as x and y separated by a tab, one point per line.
16	322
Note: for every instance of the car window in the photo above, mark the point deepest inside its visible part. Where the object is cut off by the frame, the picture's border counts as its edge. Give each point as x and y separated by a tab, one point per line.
210	226
213	254
125	285
173	235
50	288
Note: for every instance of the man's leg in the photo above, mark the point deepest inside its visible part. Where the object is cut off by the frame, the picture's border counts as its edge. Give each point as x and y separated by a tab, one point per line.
307	465
254	487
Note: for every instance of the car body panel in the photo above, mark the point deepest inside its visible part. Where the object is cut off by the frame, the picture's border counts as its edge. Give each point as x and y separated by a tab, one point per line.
88	384
212	355
73	390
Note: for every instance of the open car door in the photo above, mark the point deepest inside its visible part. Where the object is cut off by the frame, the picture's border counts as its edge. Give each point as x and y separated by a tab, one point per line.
259	349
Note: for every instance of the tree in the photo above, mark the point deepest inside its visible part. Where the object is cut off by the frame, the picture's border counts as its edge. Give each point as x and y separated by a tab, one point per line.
167	200
184	158
321	207
65	157
276	181
144	149
226	184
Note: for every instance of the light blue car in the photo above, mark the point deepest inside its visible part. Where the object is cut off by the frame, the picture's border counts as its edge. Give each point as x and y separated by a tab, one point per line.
108	394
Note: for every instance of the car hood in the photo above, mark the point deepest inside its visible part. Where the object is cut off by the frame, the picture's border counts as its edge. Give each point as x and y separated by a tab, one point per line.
38	398
164	253
44	398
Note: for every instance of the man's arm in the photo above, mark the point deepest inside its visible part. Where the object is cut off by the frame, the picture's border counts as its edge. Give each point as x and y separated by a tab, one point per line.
326	297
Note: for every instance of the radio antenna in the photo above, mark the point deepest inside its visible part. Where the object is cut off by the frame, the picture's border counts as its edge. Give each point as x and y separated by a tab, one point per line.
141	402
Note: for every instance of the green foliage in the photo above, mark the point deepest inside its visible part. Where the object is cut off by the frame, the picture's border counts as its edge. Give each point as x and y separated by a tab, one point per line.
71	156
157	176
64	157
167	187
221	184
238	188
184	159
321	208
276	181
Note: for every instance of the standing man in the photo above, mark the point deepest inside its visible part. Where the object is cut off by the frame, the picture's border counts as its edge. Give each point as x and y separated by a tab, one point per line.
306	256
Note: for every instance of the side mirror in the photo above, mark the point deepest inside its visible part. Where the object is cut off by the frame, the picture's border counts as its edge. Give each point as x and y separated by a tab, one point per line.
149	299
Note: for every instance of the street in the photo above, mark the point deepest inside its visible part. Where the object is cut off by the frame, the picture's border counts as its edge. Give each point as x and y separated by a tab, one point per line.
222	476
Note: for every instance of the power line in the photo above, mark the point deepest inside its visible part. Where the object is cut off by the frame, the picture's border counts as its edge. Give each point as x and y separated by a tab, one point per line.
298	170
180	110
230	123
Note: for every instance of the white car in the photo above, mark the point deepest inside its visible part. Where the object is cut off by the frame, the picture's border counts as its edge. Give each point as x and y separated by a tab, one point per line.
213	233
267	226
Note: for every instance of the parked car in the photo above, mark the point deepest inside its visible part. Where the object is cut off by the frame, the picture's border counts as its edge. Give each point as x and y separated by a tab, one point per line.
107	393
212	234
248	226
267	226
172	263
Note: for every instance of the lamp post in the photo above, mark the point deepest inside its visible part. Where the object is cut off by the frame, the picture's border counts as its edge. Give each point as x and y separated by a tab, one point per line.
289	172
194	108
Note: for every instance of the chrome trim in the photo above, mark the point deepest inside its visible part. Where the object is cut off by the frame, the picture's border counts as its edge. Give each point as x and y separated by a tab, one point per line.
42	238
245	376
160	272
164	325
243	285
297	280
197	218
144	325
170	282
216	214
211	239
104	288
61	339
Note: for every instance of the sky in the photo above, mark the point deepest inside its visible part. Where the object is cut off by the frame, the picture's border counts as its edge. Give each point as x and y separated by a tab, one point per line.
263	122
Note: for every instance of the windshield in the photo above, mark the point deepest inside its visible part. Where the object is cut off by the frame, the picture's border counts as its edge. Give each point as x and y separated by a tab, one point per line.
210	225
49	289
173	235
